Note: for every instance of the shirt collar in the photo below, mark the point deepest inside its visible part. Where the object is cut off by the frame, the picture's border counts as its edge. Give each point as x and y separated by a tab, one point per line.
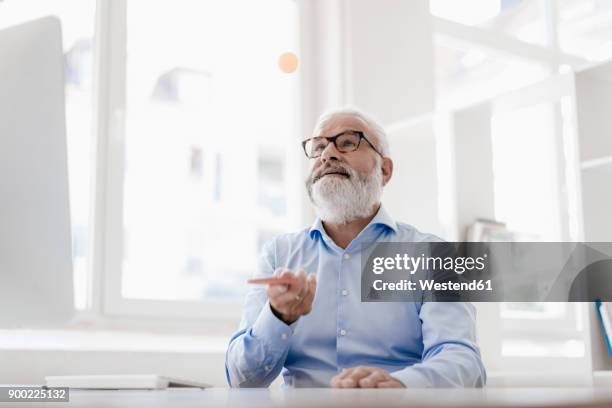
381	218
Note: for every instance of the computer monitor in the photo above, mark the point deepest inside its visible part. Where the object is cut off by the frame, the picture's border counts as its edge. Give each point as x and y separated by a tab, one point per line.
36	288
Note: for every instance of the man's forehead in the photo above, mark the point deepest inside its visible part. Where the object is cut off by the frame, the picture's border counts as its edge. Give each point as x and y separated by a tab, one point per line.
340	123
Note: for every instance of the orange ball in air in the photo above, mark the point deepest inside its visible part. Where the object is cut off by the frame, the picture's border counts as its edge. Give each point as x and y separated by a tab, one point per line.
288	62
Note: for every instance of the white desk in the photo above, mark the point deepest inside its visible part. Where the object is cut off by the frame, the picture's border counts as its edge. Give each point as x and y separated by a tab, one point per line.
263	398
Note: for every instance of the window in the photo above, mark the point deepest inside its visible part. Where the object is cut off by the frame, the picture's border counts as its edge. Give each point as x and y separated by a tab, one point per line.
209	119
524	169
77	19
530	144
535	209
585	28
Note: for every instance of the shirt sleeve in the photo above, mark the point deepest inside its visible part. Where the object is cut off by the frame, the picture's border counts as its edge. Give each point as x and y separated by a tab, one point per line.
451	357
257	352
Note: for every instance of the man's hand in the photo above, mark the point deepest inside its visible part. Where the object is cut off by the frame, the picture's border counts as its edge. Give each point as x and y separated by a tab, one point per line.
365	377
289	302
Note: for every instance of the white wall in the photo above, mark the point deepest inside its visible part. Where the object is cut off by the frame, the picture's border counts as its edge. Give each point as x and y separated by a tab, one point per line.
412	193
389	58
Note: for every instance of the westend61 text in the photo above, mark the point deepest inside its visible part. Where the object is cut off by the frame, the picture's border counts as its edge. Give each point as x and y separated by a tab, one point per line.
432	285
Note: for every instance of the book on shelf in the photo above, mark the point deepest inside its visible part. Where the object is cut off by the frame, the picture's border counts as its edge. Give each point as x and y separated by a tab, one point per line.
604	311
485	230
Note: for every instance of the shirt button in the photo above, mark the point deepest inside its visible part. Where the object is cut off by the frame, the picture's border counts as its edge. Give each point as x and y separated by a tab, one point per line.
268	368
347	256
344	292
343	332
284	336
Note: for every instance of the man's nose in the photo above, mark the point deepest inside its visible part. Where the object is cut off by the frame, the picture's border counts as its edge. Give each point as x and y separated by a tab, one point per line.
330	152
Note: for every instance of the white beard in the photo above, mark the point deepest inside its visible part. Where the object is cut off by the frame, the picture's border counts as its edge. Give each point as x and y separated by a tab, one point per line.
339	200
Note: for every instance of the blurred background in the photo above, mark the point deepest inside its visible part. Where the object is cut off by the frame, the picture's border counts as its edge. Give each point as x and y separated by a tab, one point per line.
184	158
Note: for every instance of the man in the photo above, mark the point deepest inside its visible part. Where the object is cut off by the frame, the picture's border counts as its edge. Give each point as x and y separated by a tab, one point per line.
316	329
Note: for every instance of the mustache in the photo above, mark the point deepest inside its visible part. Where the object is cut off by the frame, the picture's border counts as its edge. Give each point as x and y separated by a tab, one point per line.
330	169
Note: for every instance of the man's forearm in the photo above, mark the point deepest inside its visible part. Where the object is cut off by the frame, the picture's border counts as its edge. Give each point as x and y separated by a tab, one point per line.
256	354
246	365
450	365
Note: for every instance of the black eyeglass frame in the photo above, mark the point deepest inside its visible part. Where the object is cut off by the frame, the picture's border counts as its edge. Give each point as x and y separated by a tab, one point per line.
333	139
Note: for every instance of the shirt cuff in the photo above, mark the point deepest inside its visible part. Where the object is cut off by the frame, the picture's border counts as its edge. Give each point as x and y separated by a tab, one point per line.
271	329
411	378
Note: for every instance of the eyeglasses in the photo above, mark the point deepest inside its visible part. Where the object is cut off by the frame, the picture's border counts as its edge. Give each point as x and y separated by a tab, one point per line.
346	142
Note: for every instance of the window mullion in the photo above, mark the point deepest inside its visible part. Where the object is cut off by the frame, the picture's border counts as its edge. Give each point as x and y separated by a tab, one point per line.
109	77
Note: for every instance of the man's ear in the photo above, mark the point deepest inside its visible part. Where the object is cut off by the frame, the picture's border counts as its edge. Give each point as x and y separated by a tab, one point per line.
387	170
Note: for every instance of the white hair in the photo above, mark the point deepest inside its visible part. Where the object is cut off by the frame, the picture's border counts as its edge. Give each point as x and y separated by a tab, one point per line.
381	142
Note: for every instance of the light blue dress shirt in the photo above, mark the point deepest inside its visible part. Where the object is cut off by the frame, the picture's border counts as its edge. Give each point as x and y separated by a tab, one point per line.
431	344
